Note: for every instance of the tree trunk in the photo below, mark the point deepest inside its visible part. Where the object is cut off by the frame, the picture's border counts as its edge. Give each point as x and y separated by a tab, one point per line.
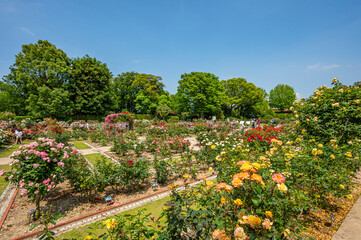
37	210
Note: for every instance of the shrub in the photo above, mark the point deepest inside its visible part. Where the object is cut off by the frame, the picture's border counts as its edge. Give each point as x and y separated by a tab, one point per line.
38	167
331	113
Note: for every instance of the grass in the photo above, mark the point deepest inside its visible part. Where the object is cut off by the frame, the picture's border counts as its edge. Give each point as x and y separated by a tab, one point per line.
3	183
95	229
9	151
92	158
80	145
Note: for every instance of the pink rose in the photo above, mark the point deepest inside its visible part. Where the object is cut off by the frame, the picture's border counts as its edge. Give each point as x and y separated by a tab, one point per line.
23	192
61	164
2	172
36	192
35	165
278	178
31	184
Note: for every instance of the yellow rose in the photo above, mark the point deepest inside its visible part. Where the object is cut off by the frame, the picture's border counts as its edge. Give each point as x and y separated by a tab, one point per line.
348	154
282	187
110	223
253	221
320	145
256	166
213	146
342	186
210	169
256	178
88	238
269	214
209	183
332	156
286	232
236	182
238	202
185	176
335	80
223	200
246	167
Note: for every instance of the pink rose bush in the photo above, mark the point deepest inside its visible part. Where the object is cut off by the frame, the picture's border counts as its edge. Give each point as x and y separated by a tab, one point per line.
38	167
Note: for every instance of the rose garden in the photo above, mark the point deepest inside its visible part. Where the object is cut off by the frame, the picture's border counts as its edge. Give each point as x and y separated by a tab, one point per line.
272	182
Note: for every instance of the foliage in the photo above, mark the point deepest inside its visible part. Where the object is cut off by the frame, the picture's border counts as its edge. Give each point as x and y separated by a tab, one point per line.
89	86
121	146
54	103
133	172
124	93
240	94
38	167
6	116
282	97
200	94
47	218
331	113
149	90
37	65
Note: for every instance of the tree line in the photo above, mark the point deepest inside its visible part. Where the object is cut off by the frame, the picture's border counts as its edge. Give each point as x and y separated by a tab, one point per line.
45	82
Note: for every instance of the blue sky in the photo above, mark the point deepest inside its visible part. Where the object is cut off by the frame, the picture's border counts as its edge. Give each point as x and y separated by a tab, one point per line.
300	43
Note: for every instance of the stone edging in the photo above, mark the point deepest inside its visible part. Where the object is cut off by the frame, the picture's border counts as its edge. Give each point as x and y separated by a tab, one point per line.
8	208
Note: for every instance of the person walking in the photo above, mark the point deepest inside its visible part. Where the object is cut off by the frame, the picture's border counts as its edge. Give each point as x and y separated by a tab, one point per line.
18	136
258	122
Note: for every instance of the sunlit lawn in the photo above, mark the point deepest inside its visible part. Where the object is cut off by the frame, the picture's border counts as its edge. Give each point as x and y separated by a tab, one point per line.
80	145
92	158
3	183
9	151
95	229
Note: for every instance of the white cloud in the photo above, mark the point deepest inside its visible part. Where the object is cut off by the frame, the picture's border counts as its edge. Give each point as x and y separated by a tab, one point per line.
319	66
27	30
298	96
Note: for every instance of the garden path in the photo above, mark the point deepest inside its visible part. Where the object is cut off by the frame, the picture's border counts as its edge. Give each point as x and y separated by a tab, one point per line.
5	160
350	228
94	150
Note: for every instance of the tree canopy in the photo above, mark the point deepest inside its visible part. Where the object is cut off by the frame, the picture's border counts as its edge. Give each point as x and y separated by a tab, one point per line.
240	94
37	65
200	94
282	97
89	86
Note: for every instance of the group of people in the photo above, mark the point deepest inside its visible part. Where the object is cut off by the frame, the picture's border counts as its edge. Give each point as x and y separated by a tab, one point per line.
254	122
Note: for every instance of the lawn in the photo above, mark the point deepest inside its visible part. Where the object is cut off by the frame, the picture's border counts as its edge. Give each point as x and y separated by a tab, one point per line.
92	158
95	229
3	183
80	145
10	150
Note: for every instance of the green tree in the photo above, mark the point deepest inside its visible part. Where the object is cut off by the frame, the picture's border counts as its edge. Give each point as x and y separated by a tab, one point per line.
37	65
123	93
89	86
200	94
282	97
149	89
241	95
50	103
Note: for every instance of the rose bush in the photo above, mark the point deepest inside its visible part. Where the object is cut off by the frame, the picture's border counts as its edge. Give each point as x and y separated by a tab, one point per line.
38	167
